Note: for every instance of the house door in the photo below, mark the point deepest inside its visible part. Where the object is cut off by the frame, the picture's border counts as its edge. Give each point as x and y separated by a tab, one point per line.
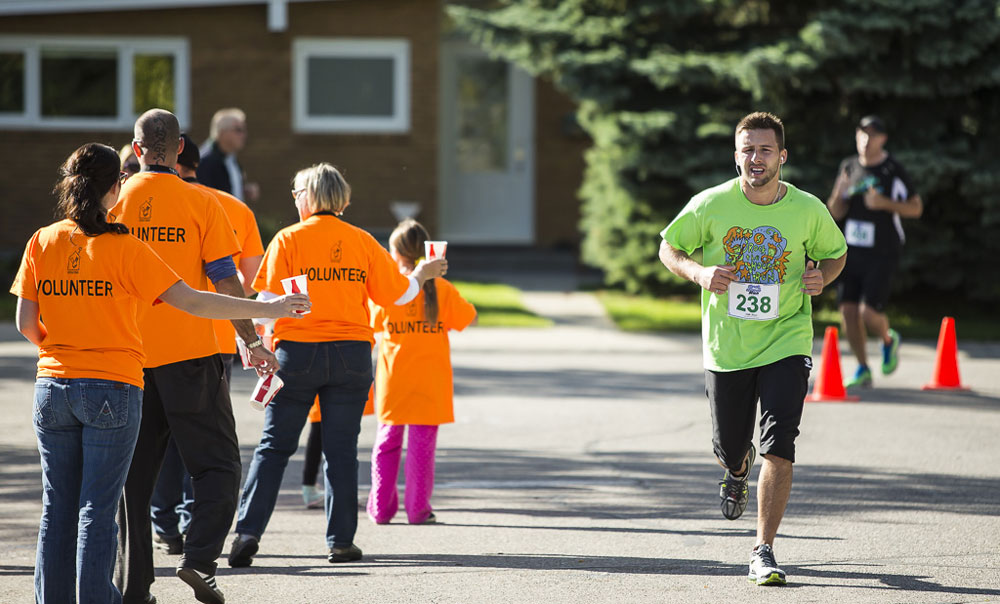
486	155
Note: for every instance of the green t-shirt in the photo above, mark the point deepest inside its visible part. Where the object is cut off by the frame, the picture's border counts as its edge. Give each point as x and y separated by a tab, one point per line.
768	245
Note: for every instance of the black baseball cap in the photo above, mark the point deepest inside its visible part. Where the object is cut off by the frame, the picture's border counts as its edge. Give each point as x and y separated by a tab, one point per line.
189	157
872	122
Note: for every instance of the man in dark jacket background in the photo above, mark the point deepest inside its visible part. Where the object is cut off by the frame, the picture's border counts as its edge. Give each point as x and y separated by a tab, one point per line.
219	167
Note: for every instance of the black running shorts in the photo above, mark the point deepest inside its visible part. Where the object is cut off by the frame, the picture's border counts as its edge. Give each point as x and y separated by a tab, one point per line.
732	395
867	279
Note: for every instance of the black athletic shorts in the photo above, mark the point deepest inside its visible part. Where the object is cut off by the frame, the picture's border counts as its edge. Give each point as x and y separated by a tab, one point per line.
732	395
867	279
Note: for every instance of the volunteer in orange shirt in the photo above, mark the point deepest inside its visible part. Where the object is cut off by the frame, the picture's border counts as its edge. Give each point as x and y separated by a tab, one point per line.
186	391
89	279
170	509
328	353
413	383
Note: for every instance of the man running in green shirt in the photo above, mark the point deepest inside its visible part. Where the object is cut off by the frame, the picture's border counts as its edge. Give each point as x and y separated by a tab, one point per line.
766	246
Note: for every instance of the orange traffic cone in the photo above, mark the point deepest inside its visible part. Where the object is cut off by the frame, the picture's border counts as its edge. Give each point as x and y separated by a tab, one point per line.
830	383
946	366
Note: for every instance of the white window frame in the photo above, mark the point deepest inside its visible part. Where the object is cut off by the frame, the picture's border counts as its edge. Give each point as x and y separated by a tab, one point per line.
397	49
126	49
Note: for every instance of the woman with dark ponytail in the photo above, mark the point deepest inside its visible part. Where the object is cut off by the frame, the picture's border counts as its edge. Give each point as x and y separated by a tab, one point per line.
88	278
413	383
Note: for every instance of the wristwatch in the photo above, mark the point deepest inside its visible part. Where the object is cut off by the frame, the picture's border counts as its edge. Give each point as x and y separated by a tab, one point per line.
255	344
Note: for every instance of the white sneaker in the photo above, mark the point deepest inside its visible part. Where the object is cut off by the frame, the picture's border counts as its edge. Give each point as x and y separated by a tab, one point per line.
312	497
763	568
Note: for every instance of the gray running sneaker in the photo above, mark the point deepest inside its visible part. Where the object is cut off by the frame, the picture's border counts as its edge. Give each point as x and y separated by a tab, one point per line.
763	568
735	491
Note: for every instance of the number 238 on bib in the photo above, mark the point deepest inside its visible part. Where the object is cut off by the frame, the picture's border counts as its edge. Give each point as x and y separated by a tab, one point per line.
753	301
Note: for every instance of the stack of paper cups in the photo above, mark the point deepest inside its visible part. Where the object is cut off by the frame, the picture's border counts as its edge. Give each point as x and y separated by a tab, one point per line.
298	284
267	386
435	249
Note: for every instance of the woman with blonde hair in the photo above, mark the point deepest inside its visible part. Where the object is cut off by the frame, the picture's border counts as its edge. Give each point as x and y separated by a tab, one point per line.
328	353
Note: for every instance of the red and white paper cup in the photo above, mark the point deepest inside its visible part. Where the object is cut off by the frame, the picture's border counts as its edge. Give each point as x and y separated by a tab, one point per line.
435	249
267	386
299	284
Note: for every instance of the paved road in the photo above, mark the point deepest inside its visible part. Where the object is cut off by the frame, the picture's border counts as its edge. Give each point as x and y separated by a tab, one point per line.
580	470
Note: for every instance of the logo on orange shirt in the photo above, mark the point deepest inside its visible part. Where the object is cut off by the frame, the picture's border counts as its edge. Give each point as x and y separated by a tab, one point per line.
411	309
146	210
73	264
336	253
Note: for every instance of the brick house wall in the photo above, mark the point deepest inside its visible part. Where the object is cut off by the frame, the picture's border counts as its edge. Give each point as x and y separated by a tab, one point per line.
236	61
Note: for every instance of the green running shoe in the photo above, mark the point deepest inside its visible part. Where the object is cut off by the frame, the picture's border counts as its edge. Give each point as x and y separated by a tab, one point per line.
862	378
890	353
763	568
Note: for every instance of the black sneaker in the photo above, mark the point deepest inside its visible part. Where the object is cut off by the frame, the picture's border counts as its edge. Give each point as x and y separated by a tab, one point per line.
242	550
205	589
172	545
349	553
763	568
735	491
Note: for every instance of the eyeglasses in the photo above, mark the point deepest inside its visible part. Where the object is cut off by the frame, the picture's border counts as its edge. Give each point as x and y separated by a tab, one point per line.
122	177
297	192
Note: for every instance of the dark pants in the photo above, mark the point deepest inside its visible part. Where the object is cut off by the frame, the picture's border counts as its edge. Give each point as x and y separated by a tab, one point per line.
314	454
190	400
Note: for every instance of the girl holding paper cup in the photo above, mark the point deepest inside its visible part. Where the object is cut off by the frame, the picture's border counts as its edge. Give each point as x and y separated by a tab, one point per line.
414	383
327	353
88	278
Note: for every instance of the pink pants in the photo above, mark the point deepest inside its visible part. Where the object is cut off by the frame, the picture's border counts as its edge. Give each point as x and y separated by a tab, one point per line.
383	499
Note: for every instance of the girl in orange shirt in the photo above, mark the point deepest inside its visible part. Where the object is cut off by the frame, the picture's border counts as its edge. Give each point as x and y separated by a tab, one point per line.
89	278
413	383
328	353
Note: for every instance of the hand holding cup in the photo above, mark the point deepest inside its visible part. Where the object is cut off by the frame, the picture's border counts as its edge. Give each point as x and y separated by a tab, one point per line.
290	306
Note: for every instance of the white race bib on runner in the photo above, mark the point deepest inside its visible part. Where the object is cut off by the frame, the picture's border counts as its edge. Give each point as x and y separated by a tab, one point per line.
859	233
754	301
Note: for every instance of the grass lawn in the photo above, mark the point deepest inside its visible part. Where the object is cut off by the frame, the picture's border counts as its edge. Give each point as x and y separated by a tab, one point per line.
499	305
683	314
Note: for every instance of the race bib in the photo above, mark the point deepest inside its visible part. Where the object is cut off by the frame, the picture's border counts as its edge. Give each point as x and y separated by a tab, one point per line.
753	301
859	233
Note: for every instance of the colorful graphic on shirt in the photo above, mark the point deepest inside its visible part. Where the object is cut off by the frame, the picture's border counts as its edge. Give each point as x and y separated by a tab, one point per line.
758	254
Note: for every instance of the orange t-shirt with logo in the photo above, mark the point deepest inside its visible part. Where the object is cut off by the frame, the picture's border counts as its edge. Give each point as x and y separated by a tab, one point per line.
89	290
187	227
345	266
413	381
248	237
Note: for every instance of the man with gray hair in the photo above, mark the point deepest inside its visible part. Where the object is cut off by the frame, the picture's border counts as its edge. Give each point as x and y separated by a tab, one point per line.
219	167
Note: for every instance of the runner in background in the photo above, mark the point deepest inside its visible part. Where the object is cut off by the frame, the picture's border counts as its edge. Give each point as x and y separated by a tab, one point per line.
89	279
328	354
871	194
414	388
761	240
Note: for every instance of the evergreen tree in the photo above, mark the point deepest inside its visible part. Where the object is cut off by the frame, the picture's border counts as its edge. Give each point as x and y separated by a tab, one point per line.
661	85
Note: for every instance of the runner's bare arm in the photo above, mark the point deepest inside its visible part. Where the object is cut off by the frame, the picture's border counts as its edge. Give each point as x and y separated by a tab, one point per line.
911	208
715	279
28	322
837	203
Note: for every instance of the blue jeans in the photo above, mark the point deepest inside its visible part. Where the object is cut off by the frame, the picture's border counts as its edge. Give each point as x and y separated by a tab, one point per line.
86	431
341	374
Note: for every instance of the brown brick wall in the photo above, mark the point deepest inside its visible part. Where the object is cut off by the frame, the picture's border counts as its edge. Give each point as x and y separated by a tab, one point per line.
236	61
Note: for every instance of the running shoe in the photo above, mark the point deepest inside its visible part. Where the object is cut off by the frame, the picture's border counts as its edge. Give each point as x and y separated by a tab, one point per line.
205	588
890	353
735	491
862	378
763	568
242	550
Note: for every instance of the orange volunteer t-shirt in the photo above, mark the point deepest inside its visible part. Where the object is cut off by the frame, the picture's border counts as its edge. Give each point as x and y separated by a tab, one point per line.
248	237
187	227
345	265
413	378
88	291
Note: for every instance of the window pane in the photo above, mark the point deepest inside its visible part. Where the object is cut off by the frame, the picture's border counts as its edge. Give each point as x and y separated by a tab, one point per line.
482	115
154	82
350	87
11	82
79	83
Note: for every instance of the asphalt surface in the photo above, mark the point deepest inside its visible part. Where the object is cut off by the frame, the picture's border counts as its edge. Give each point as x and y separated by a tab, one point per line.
580	470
